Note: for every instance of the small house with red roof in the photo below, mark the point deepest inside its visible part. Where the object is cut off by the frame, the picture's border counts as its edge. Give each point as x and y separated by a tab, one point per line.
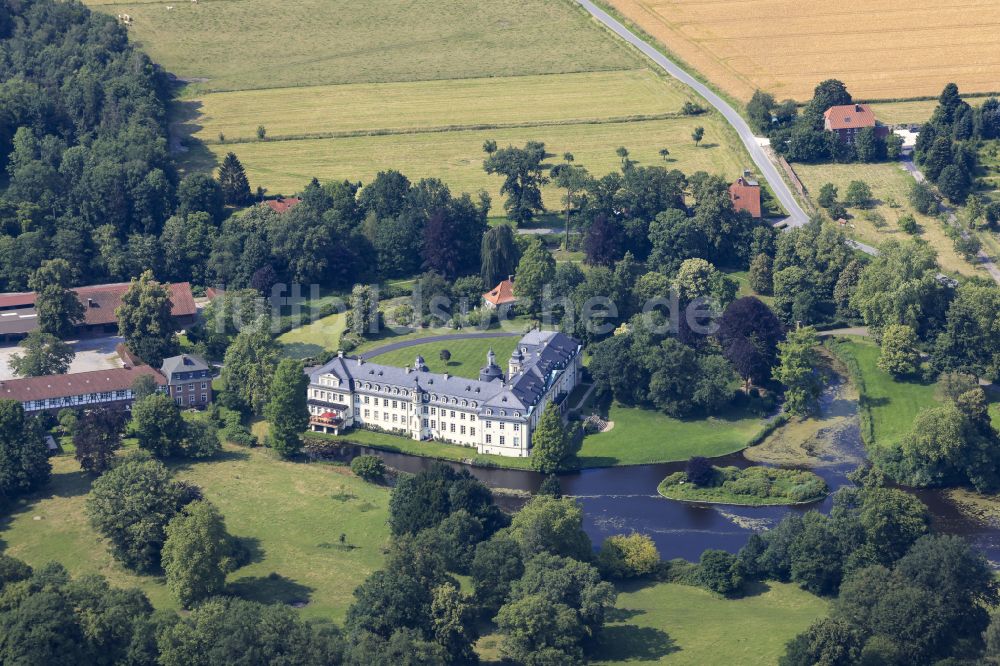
501	296
282	205
847	120
745	195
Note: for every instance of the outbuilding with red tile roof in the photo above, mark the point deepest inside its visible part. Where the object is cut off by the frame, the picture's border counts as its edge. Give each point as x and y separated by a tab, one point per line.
501	295
97	388
282	205
745	195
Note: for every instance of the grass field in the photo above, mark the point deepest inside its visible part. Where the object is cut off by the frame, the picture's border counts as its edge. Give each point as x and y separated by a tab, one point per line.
467	356
272	44
898	113
887	181
291	513
428	105
311	339
885	50
347	90
456	157
642	436
892	405
668	623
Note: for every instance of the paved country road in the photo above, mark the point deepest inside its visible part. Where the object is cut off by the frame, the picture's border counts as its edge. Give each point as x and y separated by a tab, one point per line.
796	216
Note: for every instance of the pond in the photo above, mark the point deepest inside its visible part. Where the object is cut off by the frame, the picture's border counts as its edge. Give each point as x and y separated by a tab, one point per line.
623	499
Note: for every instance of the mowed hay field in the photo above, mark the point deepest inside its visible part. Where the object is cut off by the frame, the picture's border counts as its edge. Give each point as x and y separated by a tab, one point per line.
881	49
346	90
241	44
887	181
433	105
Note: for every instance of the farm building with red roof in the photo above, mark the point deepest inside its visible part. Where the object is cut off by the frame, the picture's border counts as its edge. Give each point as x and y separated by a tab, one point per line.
847	120
18	316
745	195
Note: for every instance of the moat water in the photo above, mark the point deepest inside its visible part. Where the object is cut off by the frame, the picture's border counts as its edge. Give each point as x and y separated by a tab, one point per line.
624	499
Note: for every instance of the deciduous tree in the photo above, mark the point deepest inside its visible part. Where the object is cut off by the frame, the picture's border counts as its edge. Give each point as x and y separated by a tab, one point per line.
196	553
145	320
24	463
59	309
286	411
96	438
44	354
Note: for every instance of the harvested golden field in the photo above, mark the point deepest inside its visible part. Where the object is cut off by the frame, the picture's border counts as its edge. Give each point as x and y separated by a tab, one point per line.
888	182
880	48
422	105
456	157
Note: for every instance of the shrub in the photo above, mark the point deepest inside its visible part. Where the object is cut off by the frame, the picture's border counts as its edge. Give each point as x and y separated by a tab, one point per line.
369	468
876	218
753	481
908	224
628	556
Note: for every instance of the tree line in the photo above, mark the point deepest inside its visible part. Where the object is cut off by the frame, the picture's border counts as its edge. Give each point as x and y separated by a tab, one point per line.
801	137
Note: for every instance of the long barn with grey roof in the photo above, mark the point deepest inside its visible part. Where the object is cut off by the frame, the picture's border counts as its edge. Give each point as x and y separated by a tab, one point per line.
496	413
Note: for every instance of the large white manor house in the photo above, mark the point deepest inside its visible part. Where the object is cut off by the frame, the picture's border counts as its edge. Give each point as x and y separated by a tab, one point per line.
496	413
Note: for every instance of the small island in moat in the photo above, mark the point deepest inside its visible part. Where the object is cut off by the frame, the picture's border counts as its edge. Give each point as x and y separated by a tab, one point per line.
753	486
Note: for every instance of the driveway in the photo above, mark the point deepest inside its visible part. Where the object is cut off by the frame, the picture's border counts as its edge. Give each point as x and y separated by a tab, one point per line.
796	216
91	354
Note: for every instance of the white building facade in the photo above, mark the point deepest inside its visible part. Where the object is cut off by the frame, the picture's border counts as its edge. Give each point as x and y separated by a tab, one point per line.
495	414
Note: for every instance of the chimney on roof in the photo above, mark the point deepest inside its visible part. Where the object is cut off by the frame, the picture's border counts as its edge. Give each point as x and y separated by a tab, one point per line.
340	353
361	360
857	107
90	302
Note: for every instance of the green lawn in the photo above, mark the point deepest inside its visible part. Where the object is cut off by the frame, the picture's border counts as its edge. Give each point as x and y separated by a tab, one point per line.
439	450
891	405
467	356
642	436
639	437
309	340
292	513
669	623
